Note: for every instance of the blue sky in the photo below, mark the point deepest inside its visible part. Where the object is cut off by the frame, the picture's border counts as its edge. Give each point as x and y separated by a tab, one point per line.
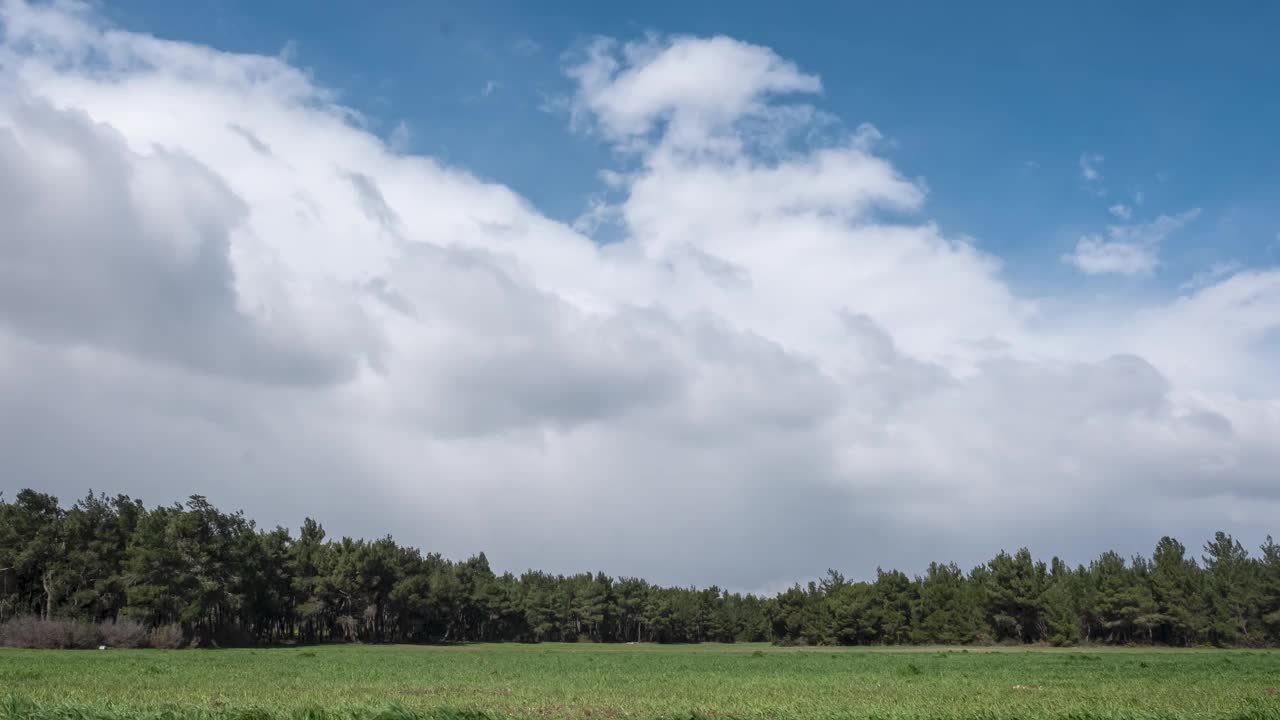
993	104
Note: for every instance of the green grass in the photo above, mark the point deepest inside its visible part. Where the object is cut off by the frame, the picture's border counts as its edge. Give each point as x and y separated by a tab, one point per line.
739	681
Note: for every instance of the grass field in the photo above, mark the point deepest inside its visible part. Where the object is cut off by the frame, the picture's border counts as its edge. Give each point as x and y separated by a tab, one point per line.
741	681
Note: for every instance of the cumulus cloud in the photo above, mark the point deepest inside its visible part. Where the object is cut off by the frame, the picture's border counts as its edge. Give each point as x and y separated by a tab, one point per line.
214	279
119	249
695	88
1096	256
1132	249
1120	210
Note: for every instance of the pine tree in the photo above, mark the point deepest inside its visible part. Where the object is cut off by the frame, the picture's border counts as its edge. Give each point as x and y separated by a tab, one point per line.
945	611
1231	590
1014	596
1061	608
1269	590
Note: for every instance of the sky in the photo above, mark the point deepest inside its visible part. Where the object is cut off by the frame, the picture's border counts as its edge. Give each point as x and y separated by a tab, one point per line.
659	290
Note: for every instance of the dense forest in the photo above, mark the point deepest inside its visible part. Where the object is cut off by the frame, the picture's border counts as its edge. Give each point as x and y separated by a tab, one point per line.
216	578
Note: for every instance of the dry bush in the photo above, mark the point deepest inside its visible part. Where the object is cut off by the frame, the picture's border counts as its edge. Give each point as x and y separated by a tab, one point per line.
32	632
124	633
80	635
29	632
166	637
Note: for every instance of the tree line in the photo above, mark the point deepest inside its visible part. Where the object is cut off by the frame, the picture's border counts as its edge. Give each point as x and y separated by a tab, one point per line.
222	580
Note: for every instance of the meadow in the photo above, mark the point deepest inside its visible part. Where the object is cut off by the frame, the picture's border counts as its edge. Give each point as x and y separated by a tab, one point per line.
639	681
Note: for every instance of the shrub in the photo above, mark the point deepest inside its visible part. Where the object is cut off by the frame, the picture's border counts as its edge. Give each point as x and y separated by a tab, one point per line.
124	633
29	632
80	635
166	637
32	632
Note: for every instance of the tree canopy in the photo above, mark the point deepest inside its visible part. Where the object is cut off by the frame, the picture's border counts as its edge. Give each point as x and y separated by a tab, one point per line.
224	580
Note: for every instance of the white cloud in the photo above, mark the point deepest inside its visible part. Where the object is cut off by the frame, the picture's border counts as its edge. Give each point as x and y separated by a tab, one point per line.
1127	249
1095	255
777	362
1120	210
696	88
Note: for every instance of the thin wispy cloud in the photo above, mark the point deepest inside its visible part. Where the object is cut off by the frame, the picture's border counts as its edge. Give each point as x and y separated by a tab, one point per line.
1212	274
401	137
1091	167
526	47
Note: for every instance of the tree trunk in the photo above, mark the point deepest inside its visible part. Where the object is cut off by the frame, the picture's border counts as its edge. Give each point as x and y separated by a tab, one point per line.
47	581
